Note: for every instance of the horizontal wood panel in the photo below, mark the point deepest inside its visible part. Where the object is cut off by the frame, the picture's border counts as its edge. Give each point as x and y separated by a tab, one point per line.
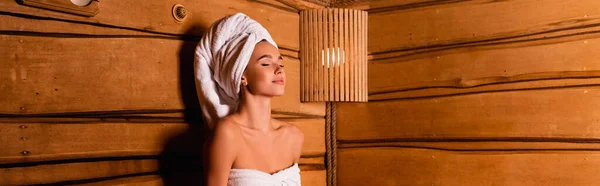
407	166
471	21
128	172
314	136
302	4
488	85
156	17
147	180
386	6
559	32
26	26
44	75
20	23
553	113
504	65
474	144
47	142
311	178
34	142
51	75
52	173
316	178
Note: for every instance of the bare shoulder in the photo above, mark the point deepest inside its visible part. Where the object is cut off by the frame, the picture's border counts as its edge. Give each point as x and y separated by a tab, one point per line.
226	131
291	130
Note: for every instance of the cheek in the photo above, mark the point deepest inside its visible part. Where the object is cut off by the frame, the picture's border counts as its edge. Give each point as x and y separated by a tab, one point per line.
260	76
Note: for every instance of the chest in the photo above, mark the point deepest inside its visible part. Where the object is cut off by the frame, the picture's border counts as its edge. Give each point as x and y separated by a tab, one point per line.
265	153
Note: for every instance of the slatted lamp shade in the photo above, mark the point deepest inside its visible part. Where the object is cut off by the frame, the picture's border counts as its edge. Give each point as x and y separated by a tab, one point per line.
333	55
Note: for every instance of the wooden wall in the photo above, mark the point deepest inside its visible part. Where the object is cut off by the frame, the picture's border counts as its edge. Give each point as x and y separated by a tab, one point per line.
476	93
111	99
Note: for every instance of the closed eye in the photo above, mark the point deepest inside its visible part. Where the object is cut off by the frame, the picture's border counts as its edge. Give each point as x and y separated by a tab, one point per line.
267	64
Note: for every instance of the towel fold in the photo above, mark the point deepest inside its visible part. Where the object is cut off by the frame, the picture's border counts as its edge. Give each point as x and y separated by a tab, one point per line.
249	177
220	60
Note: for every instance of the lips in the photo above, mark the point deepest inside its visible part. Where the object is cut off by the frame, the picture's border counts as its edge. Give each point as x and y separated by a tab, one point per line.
279	81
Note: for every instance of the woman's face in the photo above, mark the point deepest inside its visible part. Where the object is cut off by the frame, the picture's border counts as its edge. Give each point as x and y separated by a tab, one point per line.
264	73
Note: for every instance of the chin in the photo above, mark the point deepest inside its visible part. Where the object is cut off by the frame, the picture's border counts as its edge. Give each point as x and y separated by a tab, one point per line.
277	93
272	91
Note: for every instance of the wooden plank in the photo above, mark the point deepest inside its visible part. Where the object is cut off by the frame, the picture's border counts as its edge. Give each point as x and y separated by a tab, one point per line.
312	178
49	142
23	25
478	20
314	136
302	5
552	113
111	74
279	4
471	68
405	166
52	173
35	142
504	84
473	145
88	10
385	6
45	75
14	25
117	172
316	178
155	17
147	180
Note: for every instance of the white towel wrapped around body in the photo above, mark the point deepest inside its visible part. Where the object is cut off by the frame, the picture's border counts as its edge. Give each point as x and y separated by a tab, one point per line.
251	177
220	60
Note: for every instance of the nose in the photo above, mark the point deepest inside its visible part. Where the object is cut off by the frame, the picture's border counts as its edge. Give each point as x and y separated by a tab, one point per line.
279	70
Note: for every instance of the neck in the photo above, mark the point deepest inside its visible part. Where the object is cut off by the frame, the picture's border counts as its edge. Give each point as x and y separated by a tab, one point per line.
255	112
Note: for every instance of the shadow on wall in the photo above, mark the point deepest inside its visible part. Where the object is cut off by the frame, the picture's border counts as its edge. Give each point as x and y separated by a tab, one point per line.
182	158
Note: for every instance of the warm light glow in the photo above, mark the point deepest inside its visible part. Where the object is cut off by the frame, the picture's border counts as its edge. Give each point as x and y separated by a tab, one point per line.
333	56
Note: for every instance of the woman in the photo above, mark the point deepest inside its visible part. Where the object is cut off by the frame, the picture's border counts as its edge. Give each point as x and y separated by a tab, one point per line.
238	70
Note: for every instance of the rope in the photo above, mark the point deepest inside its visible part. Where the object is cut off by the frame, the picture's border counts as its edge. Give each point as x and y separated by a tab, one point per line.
334	144
331	143
328	139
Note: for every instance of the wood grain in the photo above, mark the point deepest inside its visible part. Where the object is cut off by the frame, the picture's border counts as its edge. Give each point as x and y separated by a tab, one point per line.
106	100
312	178
128	172
144	180
475	93
302	5
53	173
155	17
552	113
89	10
514	145
505	65
49	75
478	21
331	56
52	142
410	166
491	85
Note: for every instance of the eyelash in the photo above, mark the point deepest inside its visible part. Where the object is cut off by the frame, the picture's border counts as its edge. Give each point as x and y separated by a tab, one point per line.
266	64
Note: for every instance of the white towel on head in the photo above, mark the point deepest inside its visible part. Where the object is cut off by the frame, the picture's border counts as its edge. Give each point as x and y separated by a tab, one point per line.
220	60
